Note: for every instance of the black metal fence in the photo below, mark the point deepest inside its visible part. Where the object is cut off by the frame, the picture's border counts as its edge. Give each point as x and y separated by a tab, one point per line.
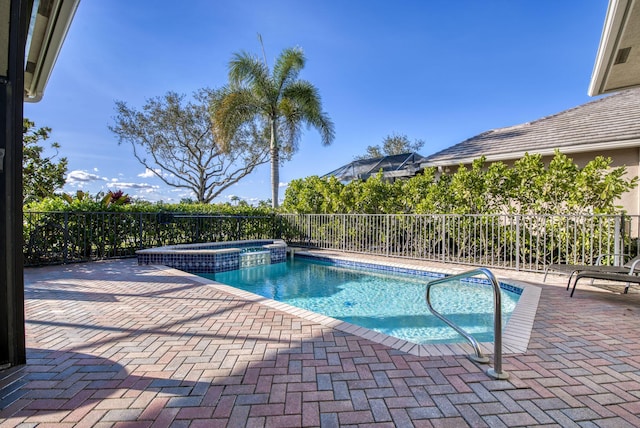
519	242
507	241
67	237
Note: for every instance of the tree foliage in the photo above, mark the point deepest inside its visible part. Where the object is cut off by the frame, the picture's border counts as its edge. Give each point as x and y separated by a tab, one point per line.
119	202
393	144
42	176
175	140
528	187
84	201
275	100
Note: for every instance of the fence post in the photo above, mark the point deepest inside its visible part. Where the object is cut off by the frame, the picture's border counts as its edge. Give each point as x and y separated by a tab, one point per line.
343	217
387	220
617	241
65	250
443	237
275	230
140	231
517	242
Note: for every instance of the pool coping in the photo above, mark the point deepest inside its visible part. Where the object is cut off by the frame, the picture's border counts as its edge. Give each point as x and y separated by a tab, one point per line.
206	257
224	246
515	336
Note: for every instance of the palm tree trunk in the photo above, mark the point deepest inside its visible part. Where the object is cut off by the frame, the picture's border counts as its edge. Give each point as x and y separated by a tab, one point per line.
275	166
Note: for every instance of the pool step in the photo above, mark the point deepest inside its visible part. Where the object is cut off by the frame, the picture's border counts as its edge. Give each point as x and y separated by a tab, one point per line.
255	258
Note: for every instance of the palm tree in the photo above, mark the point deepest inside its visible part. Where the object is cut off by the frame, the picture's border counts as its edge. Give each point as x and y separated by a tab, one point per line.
277	99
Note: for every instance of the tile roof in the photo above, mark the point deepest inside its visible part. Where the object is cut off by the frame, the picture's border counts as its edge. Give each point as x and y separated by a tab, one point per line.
613	120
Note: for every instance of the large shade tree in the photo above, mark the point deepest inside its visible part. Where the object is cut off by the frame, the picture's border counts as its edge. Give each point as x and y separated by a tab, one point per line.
175	140
276	100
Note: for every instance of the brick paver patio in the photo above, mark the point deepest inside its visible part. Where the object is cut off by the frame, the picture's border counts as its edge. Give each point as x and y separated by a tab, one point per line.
113	344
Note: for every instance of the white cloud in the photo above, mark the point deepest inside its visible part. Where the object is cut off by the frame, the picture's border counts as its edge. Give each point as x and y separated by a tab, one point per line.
147	190
95	170
124	185
78	176
150	173
281	184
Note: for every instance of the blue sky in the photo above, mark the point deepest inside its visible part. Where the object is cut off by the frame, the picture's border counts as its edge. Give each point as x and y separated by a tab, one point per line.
439	71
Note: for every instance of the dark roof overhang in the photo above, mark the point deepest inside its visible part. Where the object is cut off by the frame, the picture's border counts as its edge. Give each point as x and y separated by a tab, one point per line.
50	22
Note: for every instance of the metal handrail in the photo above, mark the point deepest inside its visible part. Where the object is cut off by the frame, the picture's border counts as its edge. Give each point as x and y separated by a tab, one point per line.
496	372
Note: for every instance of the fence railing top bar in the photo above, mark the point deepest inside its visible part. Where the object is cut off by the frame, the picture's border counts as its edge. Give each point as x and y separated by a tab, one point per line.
174	214
186	214
564	216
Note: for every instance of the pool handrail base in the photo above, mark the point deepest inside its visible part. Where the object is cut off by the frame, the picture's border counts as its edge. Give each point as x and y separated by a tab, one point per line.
479	357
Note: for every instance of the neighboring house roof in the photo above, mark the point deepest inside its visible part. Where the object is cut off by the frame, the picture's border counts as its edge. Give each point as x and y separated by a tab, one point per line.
402	165
608	123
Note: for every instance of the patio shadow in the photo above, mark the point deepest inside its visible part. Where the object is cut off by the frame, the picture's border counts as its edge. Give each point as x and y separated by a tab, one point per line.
54	381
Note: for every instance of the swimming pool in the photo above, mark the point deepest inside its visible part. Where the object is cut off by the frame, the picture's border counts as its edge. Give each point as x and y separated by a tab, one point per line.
392	304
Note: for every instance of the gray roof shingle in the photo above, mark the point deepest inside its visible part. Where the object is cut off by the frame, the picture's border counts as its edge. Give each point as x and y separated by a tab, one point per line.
611	119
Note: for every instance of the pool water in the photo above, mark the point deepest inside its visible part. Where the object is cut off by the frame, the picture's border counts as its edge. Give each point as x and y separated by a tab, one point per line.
392	304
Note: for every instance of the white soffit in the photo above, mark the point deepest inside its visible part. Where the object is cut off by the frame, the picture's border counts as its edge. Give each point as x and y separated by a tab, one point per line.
617	63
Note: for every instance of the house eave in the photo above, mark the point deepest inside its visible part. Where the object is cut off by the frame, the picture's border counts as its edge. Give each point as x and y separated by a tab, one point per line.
48	29
506	156
621	31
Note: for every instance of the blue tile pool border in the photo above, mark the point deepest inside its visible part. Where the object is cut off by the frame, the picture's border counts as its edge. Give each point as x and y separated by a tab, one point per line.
401	270
210	257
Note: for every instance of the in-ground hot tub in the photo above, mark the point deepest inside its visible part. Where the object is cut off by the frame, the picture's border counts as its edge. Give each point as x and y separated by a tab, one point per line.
216	256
